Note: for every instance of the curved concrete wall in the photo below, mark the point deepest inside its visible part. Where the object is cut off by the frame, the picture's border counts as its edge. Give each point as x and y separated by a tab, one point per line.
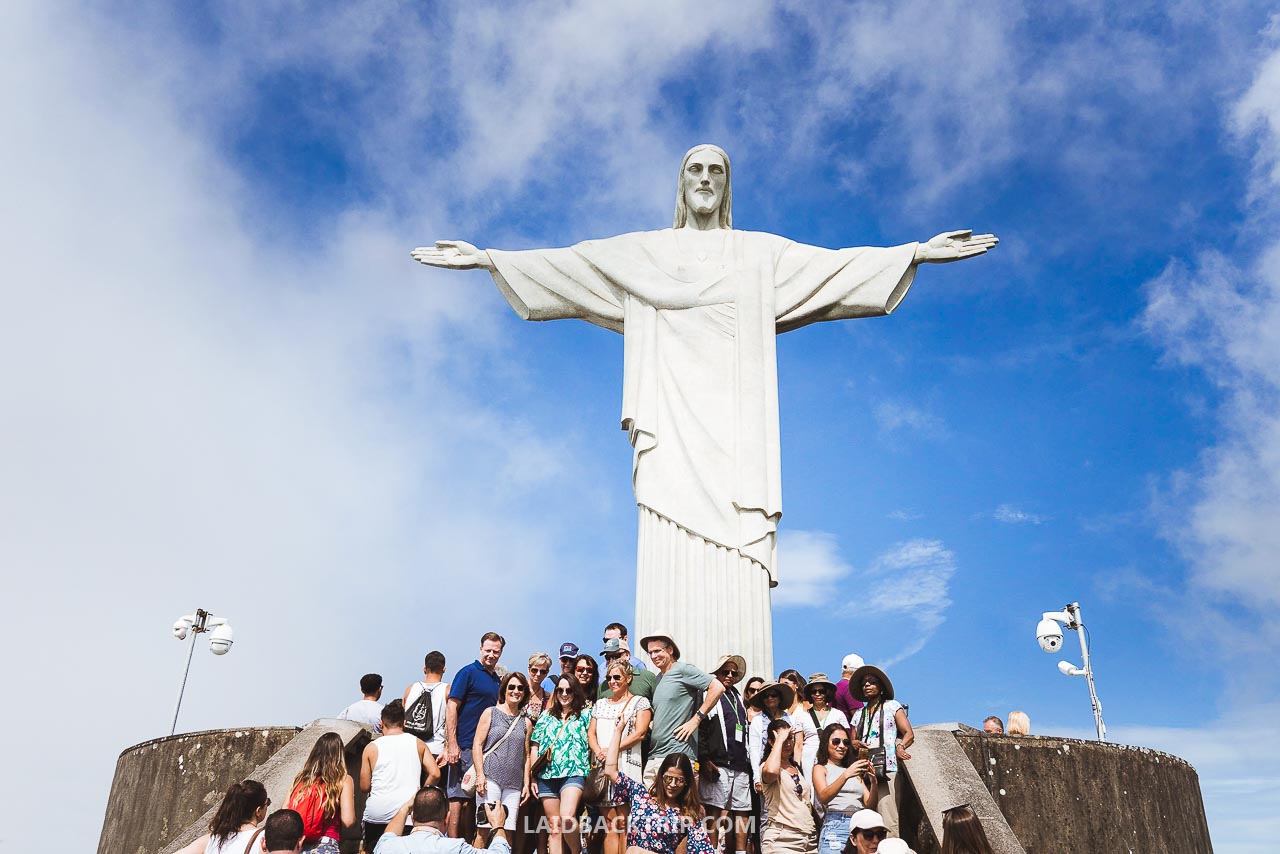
161	787
1062	794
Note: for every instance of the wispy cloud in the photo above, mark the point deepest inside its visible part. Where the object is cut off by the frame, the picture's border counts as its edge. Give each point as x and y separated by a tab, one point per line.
1011	515
909	580
894	416
811	567
901	515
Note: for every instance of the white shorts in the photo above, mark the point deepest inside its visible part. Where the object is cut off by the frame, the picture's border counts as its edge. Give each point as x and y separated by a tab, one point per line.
509	798
732	791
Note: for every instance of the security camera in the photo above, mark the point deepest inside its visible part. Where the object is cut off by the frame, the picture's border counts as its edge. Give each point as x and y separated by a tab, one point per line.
1066	668
220	640
180	629
1049	634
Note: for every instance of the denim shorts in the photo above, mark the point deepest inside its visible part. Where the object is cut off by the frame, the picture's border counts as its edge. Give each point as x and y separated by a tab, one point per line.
835	832
552	788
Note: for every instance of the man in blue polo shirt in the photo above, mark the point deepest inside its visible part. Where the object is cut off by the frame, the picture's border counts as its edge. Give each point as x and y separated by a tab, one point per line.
474	689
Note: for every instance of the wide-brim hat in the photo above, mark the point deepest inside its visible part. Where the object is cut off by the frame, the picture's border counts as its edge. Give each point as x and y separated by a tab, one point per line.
786	695
675	650
731	659
820	679
855	682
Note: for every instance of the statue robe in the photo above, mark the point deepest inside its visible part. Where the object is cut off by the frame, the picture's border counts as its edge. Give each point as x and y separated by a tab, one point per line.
700	396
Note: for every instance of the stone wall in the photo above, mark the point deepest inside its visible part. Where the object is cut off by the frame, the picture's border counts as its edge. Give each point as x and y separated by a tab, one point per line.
162	787
1067	795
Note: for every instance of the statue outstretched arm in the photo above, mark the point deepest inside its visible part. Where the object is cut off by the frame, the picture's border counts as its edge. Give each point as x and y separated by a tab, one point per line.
453	255
953	246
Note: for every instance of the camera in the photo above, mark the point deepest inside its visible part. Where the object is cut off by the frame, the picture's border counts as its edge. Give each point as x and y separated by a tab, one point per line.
1049	634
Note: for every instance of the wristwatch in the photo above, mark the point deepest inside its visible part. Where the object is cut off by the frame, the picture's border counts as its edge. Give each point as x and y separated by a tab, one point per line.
702	716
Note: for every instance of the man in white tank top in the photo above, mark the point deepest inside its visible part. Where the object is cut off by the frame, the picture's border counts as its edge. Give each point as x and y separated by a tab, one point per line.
390	771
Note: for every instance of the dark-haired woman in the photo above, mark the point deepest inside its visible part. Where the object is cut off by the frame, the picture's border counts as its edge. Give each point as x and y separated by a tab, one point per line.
587	672
501	751
962	832
243	808
666	815
787	796
562	729
882	721
749	690
842	785
802	724
324	778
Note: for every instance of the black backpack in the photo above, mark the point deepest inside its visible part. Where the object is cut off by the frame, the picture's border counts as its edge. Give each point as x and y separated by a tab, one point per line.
419	718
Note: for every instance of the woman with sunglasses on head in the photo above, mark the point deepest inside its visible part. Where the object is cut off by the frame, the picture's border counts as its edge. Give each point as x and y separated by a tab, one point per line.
539	666
788	800
633	715
500	753
243	808
801	725
561	736
587	673
662	817
842	785
881	722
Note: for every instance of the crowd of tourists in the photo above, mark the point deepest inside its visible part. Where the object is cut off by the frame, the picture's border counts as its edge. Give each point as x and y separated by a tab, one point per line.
606	753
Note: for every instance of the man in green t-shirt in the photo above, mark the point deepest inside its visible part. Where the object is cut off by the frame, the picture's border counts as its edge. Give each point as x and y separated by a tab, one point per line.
642	681
679	704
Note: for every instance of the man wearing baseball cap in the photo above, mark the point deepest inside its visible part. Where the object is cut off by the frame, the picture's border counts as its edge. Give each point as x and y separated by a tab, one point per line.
568	652
845	701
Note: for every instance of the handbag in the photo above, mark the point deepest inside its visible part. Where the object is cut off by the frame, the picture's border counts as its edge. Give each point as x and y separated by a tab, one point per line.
544	757
877	755
468	784
596	787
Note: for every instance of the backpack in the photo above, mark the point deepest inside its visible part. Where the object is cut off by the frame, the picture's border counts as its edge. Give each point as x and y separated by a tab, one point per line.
309	803
419	718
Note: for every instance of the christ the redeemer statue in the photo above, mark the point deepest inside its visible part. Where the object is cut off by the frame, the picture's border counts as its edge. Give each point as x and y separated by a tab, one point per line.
699	306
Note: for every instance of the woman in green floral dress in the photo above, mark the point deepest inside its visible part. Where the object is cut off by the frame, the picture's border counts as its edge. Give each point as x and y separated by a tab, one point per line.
561	729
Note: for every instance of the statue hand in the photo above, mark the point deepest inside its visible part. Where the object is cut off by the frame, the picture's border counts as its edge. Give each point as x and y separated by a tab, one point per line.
452	255
954	246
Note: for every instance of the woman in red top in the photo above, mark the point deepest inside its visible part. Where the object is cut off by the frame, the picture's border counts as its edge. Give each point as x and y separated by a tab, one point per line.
324	793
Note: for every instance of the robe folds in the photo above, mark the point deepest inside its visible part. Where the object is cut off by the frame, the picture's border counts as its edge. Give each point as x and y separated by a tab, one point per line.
699	321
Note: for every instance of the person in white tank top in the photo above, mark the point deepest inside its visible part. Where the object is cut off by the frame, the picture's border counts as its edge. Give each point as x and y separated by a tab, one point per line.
391	772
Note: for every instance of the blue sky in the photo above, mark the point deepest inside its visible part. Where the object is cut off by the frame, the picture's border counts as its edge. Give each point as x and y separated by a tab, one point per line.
226	385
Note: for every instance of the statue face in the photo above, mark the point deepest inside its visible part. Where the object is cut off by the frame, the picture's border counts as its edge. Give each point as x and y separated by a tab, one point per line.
704	181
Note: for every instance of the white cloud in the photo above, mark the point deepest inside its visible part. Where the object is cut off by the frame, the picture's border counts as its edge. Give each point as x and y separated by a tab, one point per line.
1011	515
810	566
909	580
903	515
894	416
1220	315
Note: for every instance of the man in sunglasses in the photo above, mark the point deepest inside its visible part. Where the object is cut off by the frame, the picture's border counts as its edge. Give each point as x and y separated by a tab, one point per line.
866	833
724	768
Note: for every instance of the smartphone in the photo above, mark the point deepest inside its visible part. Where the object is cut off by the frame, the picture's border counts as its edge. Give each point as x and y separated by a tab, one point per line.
482	817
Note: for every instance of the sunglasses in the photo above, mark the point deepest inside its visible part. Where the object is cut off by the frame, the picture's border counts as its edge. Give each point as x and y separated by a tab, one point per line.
866	682
839	742
751	691
539	669
519	689
728	671
613	677
583	669
568	692
875	833
672	780
822	692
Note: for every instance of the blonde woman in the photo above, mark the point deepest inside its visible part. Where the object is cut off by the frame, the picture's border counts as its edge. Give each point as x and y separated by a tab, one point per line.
1019	723
539	668
633	714
324	795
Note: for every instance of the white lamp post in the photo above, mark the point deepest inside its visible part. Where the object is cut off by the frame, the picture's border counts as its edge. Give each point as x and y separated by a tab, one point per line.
220	639
1049	635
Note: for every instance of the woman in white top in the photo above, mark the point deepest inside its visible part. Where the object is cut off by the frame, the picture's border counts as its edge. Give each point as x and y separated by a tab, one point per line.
635	713
841	785
820	692
243	808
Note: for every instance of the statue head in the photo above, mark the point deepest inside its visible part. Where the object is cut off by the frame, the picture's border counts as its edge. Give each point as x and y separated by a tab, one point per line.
698	184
